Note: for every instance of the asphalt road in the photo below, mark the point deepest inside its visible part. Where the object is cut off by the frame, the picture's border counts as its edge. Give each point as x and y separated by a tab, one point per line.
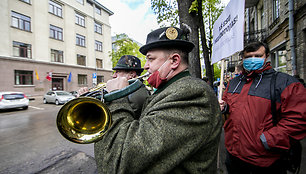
31	143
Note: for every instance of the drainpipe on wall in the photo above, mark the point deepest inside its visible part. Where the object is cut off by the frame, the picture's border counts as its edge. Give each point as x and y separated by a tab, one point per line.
291	35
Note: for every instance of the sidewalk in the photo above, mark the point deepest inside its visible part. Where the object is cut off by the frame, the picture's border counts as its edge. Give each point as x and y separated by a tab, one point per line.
65	162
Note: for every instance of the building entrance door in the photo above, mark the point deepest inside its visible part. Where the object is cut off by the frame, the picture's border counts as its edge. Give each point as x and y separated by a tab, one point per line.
57	84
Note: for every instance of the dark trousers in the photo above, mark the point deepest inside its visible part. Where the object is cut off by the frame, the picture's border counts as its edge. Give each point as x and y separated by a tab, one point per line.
235	165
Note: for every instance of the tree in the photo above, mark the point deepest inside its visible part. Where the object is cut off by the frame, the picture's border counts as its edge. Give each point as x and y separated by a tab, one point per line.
200	16
167	12
191	19
123	45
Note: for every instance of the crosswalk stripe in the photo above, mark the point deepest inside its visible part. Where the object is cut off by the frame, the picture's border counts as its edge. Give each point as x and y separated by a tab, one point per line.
37	108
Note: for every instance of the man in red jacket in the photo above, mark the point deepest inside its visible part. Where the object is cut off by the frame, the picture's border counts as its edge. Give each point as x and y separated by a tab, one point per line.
254	144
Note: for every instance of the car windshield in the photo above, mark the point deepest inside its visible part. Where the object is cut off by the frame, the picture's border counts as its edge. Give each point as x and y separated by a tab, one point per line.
63	93
13	96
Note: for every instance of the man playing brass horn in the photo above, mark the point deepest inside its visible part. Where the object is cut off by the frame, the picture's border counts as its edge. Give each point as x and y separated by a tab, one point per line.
180	123
130	67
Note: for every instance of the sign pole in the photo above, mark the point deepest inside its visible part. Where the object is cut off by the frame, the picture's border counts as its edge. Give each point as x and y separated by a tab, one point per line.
221	80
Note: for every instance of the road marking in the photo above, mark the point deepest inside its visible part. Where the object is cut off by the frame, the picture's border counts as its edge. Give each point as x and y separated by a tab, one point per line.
37	108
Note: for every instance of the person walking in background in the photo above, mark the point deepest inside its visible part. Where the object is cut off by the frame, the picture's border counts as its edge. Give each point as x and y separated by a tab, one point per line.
180	124
238	69
254	144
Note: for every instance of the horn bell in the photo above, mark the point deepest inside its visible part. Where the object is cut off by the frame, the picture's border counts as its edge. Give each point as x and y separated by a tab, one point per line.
83	120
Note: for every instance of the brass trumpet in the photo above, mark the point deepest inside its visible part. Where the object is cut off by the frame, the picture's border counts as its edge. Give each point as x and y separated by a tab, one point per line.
86	119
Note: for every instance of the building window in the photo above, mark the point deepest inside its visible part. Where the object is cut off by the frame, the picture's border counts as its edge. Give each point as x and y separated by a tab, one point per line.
56	32
22	49
100	79
279	59
26	1
57	56
55	8
98	28
80	40
81	60
276	7
21	21
98	46
79	19
80	1
23	77
99	63
98	10
262	18
82	79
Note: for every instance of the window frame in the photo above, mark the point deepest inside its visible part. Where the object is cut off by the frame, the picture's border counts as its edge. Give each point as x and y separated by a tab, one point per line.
82	79
23	77
99	63
55	8
20	21
79	19
26	1
81	62
98	10
58	56
80	1
80	40
56	32
100	79
275	9
22	47
275	58
98	46
98	28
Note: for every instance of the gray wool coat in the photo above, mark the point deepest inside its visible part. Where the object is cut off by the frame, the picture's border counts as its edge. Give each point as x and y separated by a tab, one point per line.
178	131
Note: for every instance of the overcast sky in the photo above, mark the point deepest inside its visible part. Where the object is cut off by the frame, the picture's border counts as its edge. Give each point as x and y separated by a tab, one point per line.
133	17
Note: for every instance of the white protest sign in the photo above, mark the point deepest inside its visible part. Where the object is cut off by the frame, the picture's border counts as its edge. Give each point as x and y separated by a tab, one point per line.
228	31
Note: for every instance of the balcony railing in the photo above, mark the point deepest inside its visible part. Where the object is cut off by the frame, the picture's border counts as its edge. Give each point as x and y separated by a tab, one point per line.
257	35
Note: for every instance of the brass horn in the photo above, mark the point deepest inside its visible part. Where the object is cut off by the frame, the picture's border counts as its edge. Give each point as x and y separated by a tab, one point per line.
86	119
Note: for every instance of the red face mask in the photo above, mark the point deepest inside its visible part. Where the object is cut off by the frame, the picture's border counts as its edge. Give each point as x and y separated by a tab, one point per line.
155	80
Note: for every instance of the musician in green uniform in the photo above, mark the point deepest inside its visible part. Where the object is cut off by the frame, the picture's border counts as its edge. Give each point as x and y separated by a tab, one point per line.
180	123
130	67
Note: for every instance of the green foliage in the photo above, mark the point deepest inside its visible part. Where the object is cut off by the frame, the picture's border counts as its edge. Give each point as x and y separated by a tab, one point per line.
166	11
212	9
217	71
194	7
123	45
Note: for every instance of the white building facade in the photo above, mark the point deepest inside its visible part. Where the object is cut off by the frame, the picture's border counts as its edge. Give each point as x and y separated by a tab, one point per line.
54	44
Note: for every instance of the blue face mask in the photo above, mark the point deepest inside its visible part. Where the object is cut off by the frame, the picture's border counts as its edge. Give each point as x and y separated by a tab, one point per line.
253	63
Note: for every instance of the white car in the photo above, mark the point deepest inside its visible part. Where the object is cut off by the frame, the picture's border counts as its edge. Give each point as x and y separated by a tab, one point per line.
10	100
57	97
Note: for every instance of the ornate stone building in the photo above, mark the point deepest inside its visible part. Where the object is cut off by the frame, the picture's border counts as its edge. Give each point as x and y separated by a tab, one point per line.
270	21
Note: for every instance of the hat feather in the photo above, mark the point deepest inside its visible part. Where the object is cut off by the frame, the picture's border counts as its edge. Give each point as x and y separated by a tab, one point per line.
186	28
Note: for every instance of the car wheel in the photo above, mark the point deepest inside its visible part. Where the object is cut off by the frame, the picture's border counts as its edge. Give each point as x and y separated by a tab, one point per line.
26	107
56	102
45	101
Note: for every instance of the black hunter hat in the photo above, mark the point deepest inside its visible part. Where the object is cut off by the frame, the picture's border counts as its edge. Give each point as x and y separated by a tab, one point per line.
167	37
128	62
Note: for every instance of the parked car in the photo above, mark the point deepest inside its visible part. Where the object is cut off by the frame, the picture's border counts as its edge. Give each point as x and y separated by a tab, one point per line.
74	93
10	100
57	97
